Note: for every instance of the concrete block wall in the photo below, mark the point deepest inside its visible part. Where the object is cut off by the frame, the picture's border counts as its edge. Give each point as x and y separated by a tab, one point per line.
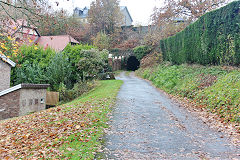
32	100
5	72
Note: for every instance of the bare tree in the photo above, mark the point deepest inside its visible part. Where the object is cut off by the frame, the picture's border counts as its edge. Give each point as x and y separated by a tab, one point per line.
167	17
105	15
191	10
27	9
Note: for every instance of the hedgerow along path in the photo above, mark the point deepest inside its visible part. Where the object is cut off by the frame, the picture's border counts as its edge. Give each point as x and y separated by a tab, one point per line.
146	124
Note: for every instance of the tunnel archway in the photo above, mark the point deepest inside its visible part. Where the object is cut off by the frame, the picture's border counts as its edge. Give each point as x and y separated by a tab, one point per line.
132	63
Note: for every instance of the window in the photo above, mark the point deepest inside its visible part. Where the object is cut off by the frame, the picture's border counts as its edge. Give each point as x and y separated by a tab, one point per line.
36	101
30	102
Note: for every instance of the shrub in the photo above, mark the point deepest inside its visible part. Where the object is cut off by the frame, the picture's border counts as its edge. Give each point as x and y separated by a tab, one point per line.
102	41
74	54
78	89
141	51
32	63
63	70
92	62
29	73
59	71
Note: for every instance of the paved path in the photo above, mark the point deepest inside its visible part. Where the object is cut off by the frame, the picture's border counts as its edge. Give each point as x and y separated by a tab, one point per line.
148	125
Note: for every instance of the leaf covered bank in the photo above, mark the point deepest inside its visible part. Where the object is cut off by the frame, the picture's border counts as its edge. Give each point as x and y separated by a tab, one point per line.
215	88
70	131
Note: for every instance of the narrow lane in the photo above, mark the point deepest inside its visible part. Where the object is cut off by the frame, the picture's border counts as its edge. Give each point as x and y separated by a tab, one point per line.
148	125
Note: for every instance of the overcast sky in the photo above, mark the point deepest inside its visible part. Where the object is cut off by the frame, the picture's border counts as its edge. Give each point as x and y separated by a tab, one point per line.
140	10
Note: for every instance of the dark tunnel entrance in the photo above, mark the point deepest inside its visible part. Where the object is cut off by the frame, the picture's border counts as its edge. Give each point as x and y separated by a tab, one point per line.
132	63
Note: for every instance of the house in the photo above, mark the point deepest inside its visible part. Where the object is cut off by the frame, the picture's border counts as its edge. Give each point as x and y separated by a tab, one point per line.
28	34
82	14
178	20
58	43
23	32
127	19
21	99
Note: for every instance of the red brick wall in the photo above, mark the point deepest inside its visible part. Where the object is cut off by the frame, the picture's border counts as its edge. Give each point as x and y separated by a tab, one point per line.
9	105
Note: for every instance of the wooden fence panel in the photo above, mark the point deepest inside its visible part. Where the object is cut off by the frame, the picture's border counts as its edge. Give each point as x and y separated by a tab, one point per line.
52	98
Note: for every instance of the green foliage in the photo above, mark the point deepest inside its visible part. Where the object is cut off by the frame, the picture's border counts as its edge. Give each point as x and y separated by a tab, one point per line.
212	39
61	70
102	41
35	55
74	52
32	63
141	51
29	73
92	63
213	87
223	97
79	89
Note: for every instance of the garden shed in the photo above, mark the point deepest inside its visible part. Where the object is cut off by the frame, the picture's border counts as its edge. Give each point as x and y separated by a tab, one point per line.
22	99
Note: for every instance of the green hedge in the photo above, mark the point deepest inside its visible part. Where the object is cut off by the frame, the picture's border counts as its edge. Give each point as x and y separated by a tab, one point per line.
212	39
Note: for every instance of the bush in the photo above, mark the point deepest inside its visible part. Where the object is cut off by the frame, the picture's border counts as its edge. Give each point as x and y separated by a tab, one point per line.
212	39
79	89
32	63
74	54
59	71
92	62
141	51
29	73
102	41
66	72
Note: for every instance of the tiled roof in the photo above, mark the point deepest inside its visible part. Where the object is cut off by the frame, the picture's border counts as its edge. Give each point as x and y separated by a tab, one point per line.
7	60
57	43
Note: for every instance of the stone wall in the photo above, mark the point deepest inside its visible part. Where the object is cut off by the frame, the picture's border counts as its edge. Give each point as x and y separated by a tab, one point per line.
9	105
5	72
32	100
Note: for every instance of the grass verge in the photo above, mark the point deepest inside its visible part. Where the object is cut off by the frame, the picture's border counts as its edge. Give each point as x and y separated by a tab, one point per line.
69	131
215	88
